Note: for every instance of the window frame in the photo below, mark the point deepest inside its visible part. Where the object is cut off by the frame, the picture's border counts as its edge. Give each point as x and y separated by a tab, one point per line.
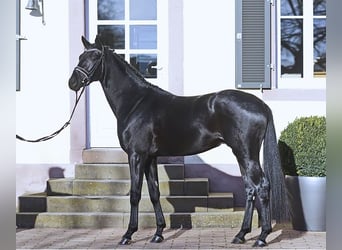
308	81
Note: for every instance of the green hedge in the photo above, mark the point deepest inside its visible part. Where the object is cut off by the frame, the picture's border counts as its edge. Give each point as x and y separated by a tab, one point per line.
302	146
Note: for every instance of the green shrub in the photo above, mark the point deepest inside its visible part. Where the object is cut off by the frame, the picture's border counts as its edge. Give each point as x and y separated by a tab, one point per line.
302	147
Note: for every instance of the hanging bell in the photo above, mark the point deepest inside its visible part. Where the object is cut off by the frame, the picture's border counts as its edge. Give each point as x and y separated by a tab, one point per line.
32	5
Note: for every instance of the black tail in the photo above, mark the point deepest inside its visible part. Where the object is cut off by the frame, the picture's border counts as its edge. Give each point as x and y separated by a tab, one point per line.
274	173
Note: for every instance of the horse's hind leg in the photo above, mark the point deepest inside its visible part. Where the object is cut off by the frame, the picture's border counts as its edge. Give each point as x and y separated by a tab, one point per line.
136	165
151	173
256	186
263	193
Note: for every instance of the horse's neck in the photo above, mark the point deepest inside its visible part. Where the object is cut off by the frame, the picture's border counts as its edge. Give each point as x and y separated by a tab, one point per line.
121	90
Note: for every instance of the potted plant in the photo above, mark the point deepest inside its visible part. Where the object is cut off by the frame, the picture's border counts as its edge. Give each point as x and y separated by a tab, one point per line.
302	146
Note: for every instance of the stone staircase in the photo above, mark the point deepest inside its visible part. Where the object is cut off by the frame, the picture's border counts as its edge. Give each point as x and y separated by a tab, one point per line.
98	197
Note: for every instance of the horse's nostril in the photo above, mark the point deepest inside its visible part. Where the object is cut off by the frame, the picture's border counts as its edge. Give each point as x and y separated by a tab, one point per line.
73	83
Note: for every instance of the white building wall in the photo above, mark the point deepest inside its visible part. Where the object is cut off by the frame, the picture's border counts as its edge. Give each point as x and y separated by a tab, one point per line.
209	46
285	112
44	101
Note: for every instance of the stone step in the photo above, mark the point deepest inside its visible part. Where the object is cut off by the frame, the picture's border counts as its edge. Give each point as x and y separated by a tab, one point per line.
90	171
70	186
26	219
104	155
221	202
32	202
231	219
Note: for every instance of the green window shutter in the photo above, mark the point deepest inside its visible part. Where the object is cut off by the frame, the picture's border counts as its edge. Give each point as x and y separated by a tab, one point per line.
252	57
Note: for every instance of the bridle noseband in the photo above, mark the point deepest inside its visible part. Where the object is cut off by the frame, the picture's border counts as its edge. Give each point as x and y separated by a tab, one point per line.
89	74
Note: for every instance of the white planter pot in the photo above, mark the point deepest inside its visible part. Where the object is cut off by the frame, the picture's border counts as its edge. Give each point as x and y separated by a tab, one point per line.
307	202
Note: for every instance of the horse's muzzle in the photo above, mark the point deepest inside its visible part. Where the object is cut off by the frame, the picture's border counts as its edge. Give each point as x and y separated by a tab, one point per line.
74	83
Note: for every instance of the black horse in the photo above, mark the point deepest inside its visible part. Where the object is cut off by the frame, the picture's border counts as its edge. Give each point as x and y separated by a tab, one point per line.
152	122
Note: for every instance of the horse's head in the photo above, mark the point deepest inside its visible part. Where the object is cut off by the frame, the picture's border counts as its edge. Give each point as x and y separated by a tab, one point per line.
90	65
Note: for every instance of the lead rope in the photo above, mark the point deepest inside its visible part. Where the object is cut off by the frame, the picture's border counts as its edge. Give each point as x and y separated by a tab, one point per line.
48	137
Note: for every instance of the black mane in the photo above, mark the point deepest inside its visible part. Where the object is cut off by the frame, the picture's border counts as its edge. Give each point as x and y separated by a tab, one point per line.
132	72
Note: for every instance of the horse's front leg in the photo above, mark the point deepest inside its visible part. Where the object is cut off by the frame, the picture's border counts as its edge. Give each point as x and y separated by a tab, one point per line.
136	166
151	173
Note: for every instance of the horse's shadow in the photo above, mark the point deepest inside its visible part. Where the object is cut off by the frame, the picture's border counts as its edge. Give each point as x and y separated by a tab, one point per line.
175	234
281	232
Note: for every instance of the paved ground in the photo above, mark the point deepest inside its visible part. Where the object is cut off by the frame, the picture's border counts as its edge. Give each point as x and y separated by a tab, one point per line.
282	237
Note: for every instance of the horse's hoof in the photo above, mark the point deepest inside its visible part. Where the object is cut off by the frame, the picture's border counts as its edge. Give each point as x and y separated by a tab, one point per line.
237	240
125	241
260	243
157	238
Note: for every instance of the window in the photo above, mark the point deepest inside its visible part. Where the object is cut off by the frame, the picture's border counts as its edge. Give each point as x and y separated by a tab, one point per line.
283	41
130	27
302	43
319	36
291	30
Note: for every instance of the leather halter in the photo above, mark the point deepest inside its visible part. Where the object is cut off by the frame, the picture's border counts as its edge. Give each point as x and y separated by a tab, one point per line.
89	74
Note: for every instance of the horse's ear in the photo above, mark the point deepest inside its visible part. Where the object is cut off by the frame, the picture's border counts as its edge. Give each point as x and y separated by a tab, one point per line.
98	42
85	42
